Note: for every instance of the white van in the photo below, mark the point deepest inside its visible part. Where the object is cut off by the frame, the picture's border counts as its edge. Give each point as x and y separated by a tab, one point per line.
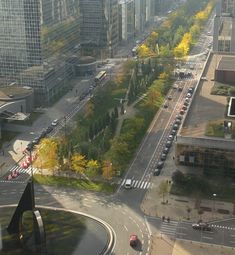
128	184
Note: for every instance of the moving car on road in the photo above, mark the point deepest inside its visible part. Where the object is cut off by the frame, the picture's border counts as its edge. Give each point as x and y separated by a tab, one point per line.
201	226
55	122
128	184
133	240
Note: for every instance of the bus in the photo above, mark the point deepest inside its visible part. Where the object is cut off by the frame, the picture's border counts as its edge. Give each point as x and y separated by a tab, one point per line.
100	76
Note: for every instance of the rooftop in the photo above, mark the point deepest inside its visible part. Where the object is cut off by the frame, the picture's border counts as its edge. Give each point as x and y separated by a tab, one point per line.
227	63
205	107
10	93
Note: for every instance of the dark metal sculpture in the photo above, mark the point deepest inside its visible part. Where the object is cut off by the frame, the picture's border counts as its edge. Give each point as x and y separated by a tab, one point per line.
27	203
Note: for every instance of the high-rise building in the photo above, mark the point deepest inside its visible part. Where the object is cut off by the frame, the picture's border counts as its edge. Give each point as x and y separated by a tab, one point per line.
126	19
224	26
140	15
37	37
99	27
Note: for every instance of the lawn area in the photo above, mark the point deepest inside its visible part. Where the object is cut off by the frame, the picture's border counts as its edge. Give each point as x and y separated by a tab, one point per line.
215	128
204	189
74	183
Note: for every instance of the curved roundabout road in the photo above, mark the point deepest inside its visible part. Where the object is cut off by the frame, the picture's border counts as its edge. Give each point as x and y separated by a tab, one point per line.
110	209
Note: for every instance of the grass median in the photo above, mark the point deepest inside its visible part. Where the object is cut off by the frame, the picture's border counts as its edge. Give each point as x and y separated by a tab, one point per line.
74	183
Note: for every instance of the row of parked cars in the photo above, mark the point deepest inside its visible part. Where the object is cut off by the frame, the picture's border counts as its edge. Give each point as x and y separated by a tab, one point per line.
173	132
43	134
168	145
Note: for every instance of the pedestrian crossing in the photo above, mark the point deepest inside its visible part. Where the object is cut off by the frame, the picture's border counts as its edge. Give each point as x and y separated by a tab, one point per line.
18	169
223	227
169	228
138	184
28	170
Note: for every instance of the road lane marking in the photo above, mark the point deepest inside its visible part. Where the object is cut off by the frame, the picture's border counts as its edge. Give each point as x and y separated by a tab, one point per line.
207	237
126	228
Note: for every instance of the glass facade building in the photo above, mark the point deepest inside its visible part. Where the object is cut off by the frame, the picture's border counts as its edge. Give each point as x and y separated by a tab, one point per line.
38	38
99	27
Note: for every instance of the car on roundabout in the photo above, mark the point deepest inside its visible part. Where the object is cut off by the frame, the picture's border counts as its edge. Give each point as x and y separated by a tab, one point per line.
133	240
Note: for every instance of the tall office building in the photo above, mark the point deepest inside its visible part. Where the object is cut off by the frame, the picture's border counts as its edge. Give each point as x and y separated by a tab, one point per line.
99	27
140	15
126	19
224	26
37	38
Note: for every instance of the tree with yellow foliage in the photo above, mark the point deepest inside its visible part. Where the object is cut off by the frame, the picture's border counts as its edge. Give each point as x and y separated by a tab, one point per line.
92	168
78	163
182	49
144	51
47	154
107	170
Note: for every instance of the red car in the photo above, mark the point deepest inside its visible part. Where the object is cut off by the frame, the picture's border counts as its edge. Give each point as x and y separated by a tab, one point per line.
133	240
25	165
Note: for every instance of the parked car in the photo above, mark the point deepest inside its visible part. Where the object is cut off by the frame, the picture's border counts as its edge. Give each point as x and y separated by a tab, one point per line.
165	150
156	172
54	122
133	240
187	100
186	103
173	132
160	165
163	157
169	97
168	144
190	90
182	112
165	105
178	117
36	140
177	121
175	127
170	138
189	95
49	129
29	146
201	226
43	134
184	107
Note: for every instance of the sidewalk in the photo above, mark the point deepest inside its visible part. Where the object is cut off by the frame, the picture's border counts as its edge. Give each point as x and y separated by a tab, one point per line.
177	206
176	209
165	246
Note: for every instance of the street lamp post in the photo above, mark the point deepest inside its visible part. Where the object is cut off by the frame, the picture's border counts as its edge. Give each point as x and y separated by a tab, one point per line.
31	181
214	196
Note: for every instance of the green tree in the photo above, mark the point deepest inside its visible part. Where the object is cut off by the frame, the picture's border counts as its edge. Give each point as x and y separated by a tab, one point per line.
163	190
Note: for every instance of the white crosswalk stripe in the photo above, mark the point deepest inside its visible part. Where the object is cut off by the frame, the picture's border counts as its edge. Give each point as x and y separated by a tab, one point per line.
169	228
224	227
20	170
138	184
